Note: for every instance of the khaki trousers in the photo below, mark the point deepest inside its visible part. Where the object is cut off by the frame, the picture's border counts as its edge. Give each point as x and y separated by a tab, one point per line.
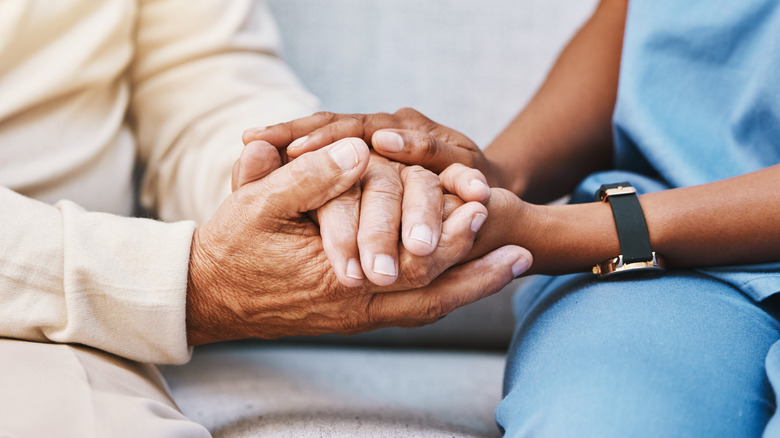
56	390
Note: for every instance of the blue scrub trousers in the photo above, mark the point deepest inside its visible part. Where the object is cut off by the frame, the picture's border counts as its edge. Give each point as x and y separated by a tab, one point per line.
680	355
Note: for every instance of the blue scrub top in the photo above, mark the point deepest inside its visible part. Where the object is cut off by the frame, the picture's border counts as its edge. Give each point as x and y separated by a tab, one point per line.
698	101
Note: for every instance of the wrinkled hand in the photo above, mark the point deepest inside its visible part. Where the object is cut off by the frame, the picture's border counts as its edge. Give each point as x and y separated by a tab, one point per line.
258	268
360	228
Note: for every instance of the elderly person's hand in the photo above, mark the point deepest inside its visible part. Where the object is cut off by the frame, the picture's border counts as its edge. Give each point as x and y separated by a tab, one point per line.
360	229
258	268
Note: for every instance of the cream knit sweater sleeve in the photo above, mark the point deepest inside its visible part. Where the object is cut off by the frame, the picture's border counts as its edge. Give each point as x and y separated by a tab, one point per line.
110	282
196	87
189	76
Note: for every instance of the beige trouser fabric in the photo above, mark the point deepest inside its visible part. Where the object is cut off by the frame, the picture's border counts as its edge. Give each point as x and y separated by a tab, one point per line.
49	390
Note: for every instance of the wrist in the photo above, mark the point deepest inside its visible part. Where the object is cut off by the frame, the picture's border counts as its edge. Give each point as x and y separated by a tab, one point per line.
569	238
202	289
500	174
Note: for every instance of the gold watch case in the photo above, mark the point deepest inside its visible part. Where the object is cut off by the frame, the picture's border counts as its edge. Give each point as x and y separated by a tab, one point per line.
616	265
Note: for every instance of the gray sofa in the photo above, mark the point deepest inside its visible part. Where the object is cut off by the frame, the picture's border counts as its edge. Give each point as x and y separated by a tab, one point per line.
469	65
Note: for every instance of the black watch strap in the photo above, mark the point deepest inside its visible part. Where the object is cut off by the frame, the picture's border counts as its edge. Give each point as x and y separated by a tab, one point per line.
629	221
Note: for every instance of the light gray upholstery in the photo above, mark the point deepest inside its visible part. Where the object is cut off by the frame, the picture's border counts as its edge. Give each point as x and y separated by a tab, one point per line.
467	64
241	390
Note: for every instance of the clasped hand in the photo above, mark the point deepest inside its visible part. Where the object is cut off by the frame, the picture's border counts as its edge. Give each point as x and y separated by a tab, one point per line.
259	267
409	137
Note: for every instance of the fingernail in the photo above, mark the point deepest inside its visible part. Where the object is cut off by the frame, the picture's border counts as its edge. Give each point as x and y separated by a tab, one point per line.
479	185
520	266
384	264
256	129
298	142
343	154
477	222
354	270
422	233
389	141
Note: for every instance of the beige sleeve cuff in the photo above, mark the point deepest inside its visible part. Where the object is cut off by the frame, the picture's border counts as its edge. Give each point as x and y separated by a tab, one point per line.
114	283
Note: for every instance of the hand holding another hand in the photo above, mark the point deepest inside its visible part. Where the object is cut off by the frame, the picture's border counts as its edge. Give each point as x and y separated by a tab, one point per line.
360	228
258	267
406	136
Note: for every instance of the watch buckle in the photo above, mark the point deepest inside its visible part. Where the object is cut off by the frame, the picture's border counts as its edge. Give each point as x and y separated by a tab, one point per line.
618	265
616	191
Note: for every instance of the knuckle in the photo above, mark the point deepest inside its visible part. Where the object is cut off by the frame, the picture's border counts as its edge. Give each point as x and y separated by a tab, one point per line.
357	121
427	142
415	119
501	196
422	173
383	186
421	121
418	274
457	168
417	169
419	174
475	174
326	116
436	308
429	147
289	129
373	311
357	117
386	117
408	112
433	181
376	236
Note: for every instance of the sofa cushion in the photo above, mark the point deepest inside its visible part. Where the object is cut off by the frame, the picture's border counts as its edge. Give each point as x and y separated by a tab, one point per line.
276	390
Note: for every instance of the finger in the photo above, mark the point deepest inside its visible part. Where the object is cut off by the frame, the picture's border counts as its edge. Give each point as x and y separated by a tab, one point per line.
457	238
339	227
257	160
358	125
380	220
312	180
421	211
451	203
467	183
348	125
456	287
319	130
282	134
411	146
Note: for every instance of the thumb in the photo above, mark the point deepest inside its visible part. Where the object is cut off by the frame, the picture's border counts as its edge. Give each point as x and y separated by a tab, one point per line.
313	179
257	160
411	147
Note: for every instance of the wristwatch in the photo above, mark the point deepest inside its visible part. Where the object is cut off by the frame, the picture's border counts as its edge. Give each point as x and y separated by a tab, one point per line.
636	256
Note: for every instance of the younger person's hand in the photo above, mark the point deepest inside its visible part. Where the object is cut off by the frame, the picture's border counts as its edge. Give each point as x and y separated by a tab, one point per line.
406	136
